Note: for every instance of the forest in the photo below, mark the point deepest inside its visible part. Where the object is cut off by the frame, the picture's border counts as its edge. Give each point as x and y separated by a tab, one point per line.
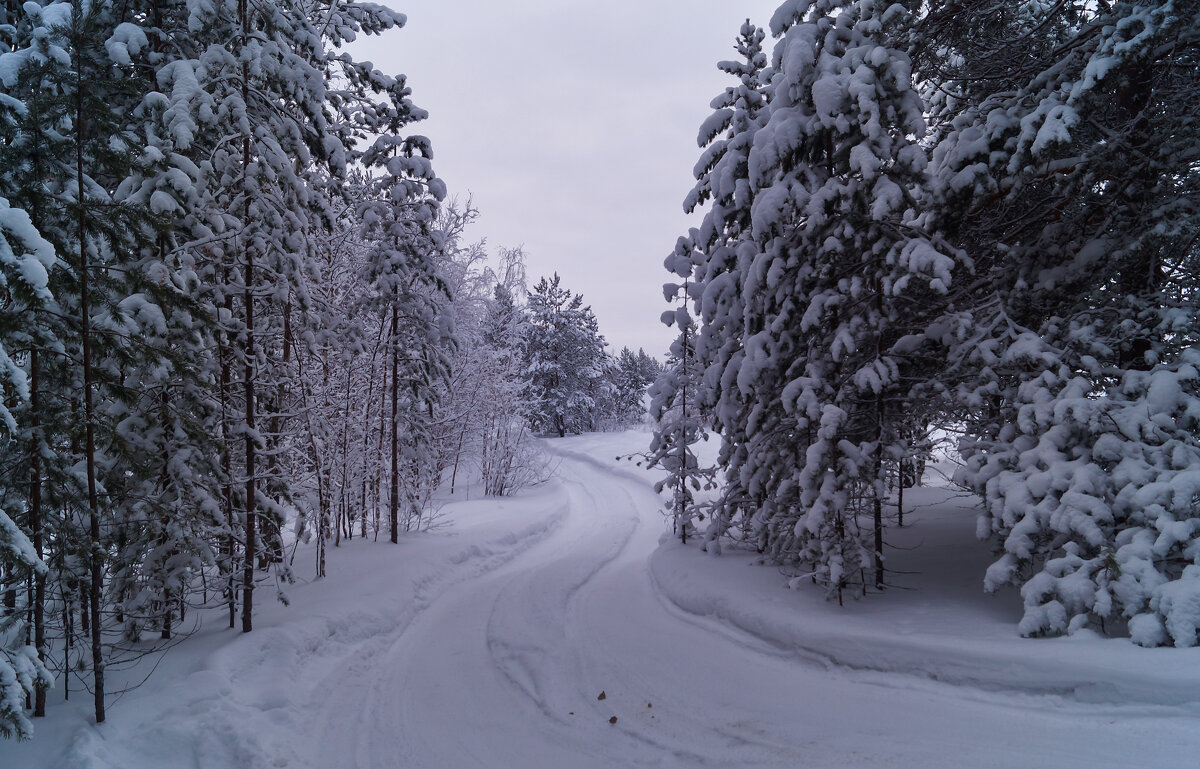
970	222
236	301
242	319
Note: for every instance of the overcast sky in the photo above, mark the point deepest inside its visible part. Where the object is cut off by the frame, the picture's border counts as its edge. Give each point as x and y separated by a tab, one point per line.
573	124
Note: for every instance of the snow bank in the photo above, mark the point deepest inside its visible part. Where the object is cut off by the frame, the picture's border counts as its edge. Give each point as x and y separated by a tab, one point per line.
937	622
221	699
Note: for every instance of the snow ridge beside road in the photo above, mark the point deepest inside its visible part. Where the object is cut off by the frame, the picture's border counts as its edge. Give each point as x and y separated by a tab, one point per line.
1107	672
255	700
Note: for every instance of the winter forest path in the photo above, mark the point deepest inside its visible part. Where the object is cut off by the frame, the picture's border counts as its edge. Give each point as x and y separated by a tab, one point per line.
487	644
505	671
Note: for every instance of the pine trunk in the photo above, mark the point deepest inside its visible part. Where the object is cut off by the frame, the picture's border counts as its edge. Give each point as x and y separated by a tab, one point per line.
36	529
378	489
248	300
95	559
877	476
251	497
394	510
229	546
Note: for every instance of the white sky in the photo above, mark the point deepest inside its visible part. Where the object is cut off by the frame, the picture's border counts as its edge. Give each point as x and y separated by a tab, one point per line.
573	124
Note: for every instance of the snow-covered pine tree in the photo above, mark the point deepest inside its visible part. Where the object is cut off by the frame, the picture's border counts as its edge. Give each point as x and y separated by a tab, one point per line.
364	103
841	270
40	487
408	288
679	424
165	236
504	324
165	516
68	156
564	360
1072	181
24	260
648	367
22	670
712	258
266	71
629	381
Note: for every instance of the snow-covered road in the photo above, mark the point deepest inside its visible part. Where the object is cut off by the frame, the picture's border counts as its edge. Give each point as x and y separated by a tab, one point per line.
506	670
488	645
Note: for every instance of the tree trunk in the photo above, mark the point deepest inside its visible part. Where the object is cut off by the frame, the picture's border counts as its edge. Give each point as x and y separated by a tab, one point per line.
251	498
394	510
344	492
877	483
248	300
378	490
36	529
229	546
95	559
368	407
69	639
681	489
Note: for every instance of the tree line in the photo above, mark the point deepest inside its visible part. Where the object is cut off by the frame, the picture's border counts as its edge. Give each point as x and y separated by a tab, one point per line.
977	218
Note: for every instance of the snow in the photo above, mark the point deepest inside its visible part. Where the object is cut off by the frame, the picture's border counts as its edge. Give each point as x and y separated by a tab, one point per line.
487	642
15	547
10	67
1055	129
126	39
15	225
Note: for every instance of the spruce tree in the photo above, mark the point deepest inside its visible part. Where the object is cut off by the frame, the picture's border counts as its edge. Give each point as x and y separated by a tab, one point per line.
679	424
824	262
711	259
24	259
564	360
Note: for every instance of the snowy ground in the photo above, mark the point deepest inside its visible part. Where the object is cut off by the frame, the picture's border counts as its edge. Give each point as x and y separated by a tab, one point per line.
487	644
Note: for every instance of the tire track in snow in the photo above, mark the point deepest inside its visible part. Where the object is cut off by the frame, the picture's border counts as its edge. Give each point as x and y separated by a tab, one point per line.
364	687
535	656
664	735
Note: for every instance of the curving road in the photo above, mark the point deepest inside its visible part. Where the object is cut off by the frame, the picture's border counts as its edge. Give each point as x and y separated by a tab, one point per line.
505	670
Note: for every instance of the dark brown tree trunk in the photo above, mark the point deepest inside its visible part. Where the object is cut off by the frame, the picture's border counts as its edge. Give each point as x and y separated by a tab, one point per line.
248	300
69	640
364	468
344	501
681	490
877	475
229	546
878	521
378	489
95	558
394	510
251	497
36	527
